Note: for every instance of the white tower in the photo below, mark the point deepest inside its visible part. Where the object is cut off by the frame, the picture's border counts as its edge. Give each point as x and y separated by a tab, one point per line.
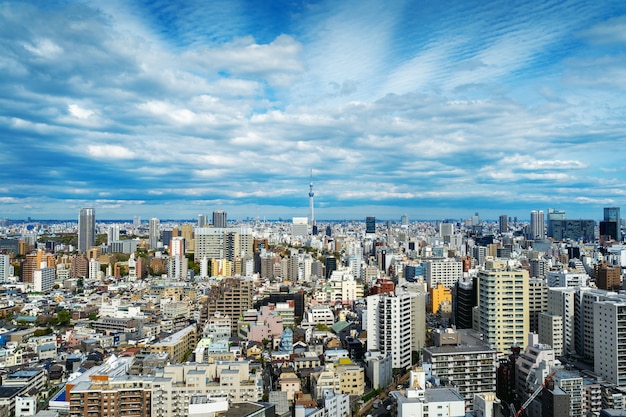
311	195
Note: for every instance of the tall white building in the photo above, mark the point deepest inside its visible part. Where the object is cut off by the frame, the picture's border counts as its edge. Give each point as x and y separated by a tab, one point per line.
389	327
177	265
557	323
537	225
113	233
94	268
43	279
5	267
609	334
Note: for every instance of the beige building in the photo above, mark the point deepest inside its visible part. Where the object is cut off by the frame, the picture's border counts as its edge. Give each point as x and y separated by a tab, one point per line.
176	345
502	311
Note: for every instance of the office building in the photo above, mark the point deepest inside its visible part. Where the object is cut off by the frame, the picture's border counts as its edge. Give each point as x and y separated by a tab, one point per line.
154	233
389	327
86	229
370	224
537	225
219	219
202	220
533	366
503	224
502	311
611	226
562	230
464	299
462	359
299	226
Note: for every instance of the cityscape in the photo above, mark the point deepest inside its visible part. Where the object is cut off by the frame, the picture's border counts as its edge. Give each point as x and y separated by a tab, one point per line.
312	208
221	317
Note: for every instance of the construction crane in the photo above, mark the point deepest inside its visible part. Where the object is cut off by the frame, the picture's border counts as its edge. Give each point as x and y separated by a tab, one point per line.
534	395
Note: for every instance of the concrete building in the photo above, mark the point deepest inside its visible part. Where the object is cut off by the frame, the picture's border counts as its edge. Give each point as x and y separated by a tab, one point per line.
461	359
418	401
502	311
86	229
389	327
445	272
609	335
176	345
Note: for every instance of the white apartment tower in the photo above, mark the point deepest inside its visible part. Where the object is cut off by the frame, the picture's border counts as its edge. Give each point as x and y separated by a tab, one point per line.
5	267
389	327
177	266
609	334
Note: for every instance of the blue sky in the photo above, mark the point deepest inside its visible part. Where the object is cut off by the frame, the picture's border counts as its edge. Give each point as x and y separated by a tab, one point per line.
435	109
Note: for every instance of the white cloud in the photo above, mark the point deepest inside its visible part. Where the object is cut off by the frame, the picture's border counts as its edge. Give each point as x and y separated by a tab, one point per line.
111	152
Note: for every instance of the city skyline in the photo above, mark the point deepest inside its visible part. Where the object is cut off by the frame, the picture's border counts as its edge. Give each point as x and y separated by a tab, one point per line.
162	110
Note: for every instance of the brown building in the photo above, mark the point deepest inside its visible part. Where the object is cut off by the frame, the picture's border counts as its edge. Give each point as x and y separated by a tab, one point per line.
232	298
607	276
383	286
79	266
101	398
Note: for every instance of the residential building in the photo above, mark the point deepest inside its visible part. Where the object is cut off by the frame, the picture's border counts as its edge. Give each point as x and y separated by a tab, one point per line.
502	311
461	359
389	327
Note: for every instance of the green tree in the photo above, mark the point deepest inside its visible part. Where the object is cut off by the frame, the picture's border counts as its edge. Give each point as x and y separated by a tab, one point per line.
93	316
63	318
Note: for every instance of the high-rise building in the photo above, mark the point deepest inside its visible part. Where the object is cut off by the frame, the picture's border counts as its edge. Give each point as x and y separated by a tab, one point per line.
537	225
86	229
611	225
404	220
177	265
202	220
502	311
113	233
219	218
504	225
5	267
389	328
154	233
609	334
370	224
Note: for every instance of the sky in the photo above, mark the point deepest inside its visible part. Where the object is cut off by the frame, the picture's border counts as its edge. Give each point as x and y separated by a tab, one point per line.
438	110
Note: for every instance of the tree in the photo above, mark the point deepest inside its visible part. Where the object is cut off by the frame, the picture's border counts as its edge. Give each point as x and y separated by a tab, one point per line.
63	318
93	316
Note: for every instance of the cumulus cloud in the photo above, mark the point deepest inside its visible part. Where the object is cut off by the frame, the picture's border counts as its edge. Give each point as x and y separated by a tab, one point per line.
386	104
